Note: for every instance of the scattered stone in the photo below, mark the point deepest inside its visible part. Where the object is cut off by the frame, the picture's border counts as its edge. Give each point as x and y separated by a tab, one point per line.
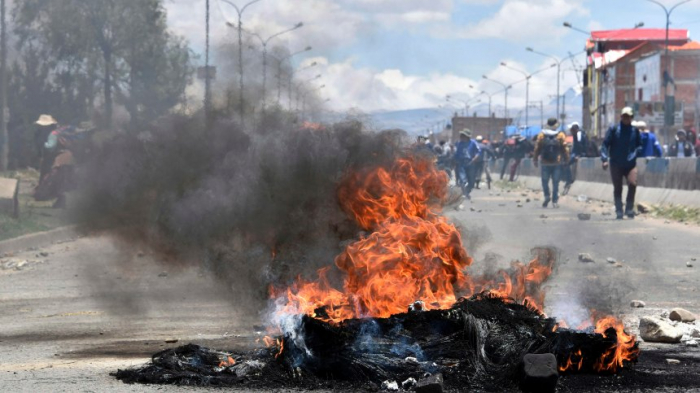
654	329
172	340
654	237
431	384
679	314
619	265
411	359
518	201
637	304
543	216
673	361
539	373
582	198
693	259
585	257
688	264
163	274
472	209
643	208
44	254
460	207
524	194
611	260
527	200
607	214
667	222
691	343
391	386
409	384
520	205
584	216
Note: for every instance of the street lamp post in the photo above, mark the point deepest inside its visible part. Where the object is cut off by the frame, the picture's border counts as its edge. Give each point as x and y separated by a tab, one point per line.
505	88
669	99
529	49
279	70
264	43
291	84
303	105
527	87
241	106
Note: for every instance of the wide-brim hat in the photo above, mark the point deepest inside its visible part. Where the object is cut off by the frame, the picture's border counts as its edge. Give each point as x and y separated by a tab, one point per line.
466	132
46	120
552	122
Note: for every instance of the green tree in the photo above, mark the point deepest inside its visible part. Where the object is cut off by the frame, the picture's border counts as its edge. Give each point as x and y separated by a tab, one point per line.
123	45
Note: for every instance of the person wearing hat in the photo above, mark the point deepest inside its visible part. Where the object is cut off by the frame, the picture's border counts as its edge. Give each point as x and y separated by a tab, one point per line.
621	146
466	156
551	149
681	148
650	145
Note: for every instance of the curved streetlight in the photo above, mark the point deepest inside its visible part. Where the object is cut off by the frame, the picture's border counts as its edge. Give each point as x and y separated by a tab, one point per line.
264	42
505	88
527	86
240	48
303	105
669	106
279	70
558	62
291	83
588	33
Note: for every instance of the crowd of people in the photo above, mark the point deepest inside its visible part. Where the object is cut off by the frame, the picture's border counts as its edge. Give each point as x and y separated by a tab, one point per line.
557	152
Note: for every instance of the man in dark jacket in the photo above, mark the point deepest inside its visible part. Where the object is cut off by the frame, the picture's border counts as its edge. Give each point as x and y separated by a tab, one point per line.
578	150
621	145
466	156
681	147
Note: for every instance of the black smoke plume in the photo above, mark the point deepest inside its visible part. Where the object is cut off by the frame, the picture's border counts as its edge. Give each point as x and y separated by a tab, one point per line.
251	208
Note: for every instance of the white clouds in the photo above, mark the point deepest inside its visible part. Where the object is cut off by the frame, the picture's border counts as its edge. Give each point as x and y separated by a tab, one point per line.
520	21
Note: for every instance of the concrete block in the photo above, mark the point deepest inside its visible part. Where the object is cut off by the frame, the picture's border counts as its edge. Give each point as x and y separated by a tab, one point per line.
431	384
9	197
587	163
657	165
539	373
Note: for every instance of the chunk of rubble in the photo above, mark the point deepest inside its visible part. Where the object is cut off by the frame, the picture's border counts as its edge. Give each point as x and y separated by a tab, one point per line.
653	329
249	367
585	257
637	304
391	386
431	384
539	373
682	315
611	260
691	343
689	264
584	216
673	361
409	384
643	208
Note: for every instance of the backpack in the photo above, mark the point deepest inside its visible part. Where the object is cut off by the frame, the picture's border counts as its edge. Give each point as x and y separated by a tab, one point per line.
550	148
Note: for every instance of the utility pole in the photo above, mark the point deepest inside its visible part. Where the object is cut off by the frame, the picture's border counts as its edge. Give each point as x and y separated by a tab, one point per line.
669	99
207	77
3	89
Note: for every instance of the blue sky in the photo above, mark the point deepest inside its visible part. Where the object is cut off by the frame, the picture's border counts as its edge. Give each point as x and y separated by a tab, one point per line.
405	54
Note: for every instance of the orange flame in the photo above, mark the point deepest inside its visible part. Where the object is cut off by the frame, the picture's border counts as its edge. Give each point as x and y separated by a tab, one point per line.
625	350
572	363
411	253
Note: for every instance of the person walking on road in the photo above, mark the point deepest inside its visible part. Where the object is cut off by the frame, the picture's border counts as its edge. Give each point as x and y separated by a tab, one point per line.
466	156
621	146
551	147
578	150
650	145
482	164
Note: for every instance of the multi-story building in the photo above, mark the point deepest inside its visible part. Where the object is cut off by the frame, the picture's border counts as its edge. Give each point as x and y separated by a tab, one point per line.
626	68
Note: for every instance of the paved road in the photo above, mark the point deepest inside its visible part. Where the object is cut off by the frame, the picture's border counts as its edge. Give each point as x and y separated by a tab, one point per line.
84	309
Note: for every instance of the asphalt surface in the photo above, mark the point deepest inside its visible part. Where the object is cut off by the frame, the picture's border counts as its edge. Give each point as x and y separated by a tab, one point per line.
82	309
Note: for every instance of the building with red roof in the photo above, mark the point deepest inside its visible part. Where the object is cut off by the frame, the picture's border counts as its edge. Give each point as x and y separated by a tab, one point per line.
626	68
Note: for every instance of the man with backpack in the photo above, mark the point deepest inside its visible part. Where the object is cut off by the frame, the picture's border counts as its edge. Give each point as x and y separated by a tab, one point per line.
551	147
621	146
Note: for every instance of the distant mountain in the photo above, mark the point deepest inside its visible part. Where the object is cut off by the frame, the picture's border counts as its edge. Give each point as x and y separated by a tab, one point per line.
418	121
